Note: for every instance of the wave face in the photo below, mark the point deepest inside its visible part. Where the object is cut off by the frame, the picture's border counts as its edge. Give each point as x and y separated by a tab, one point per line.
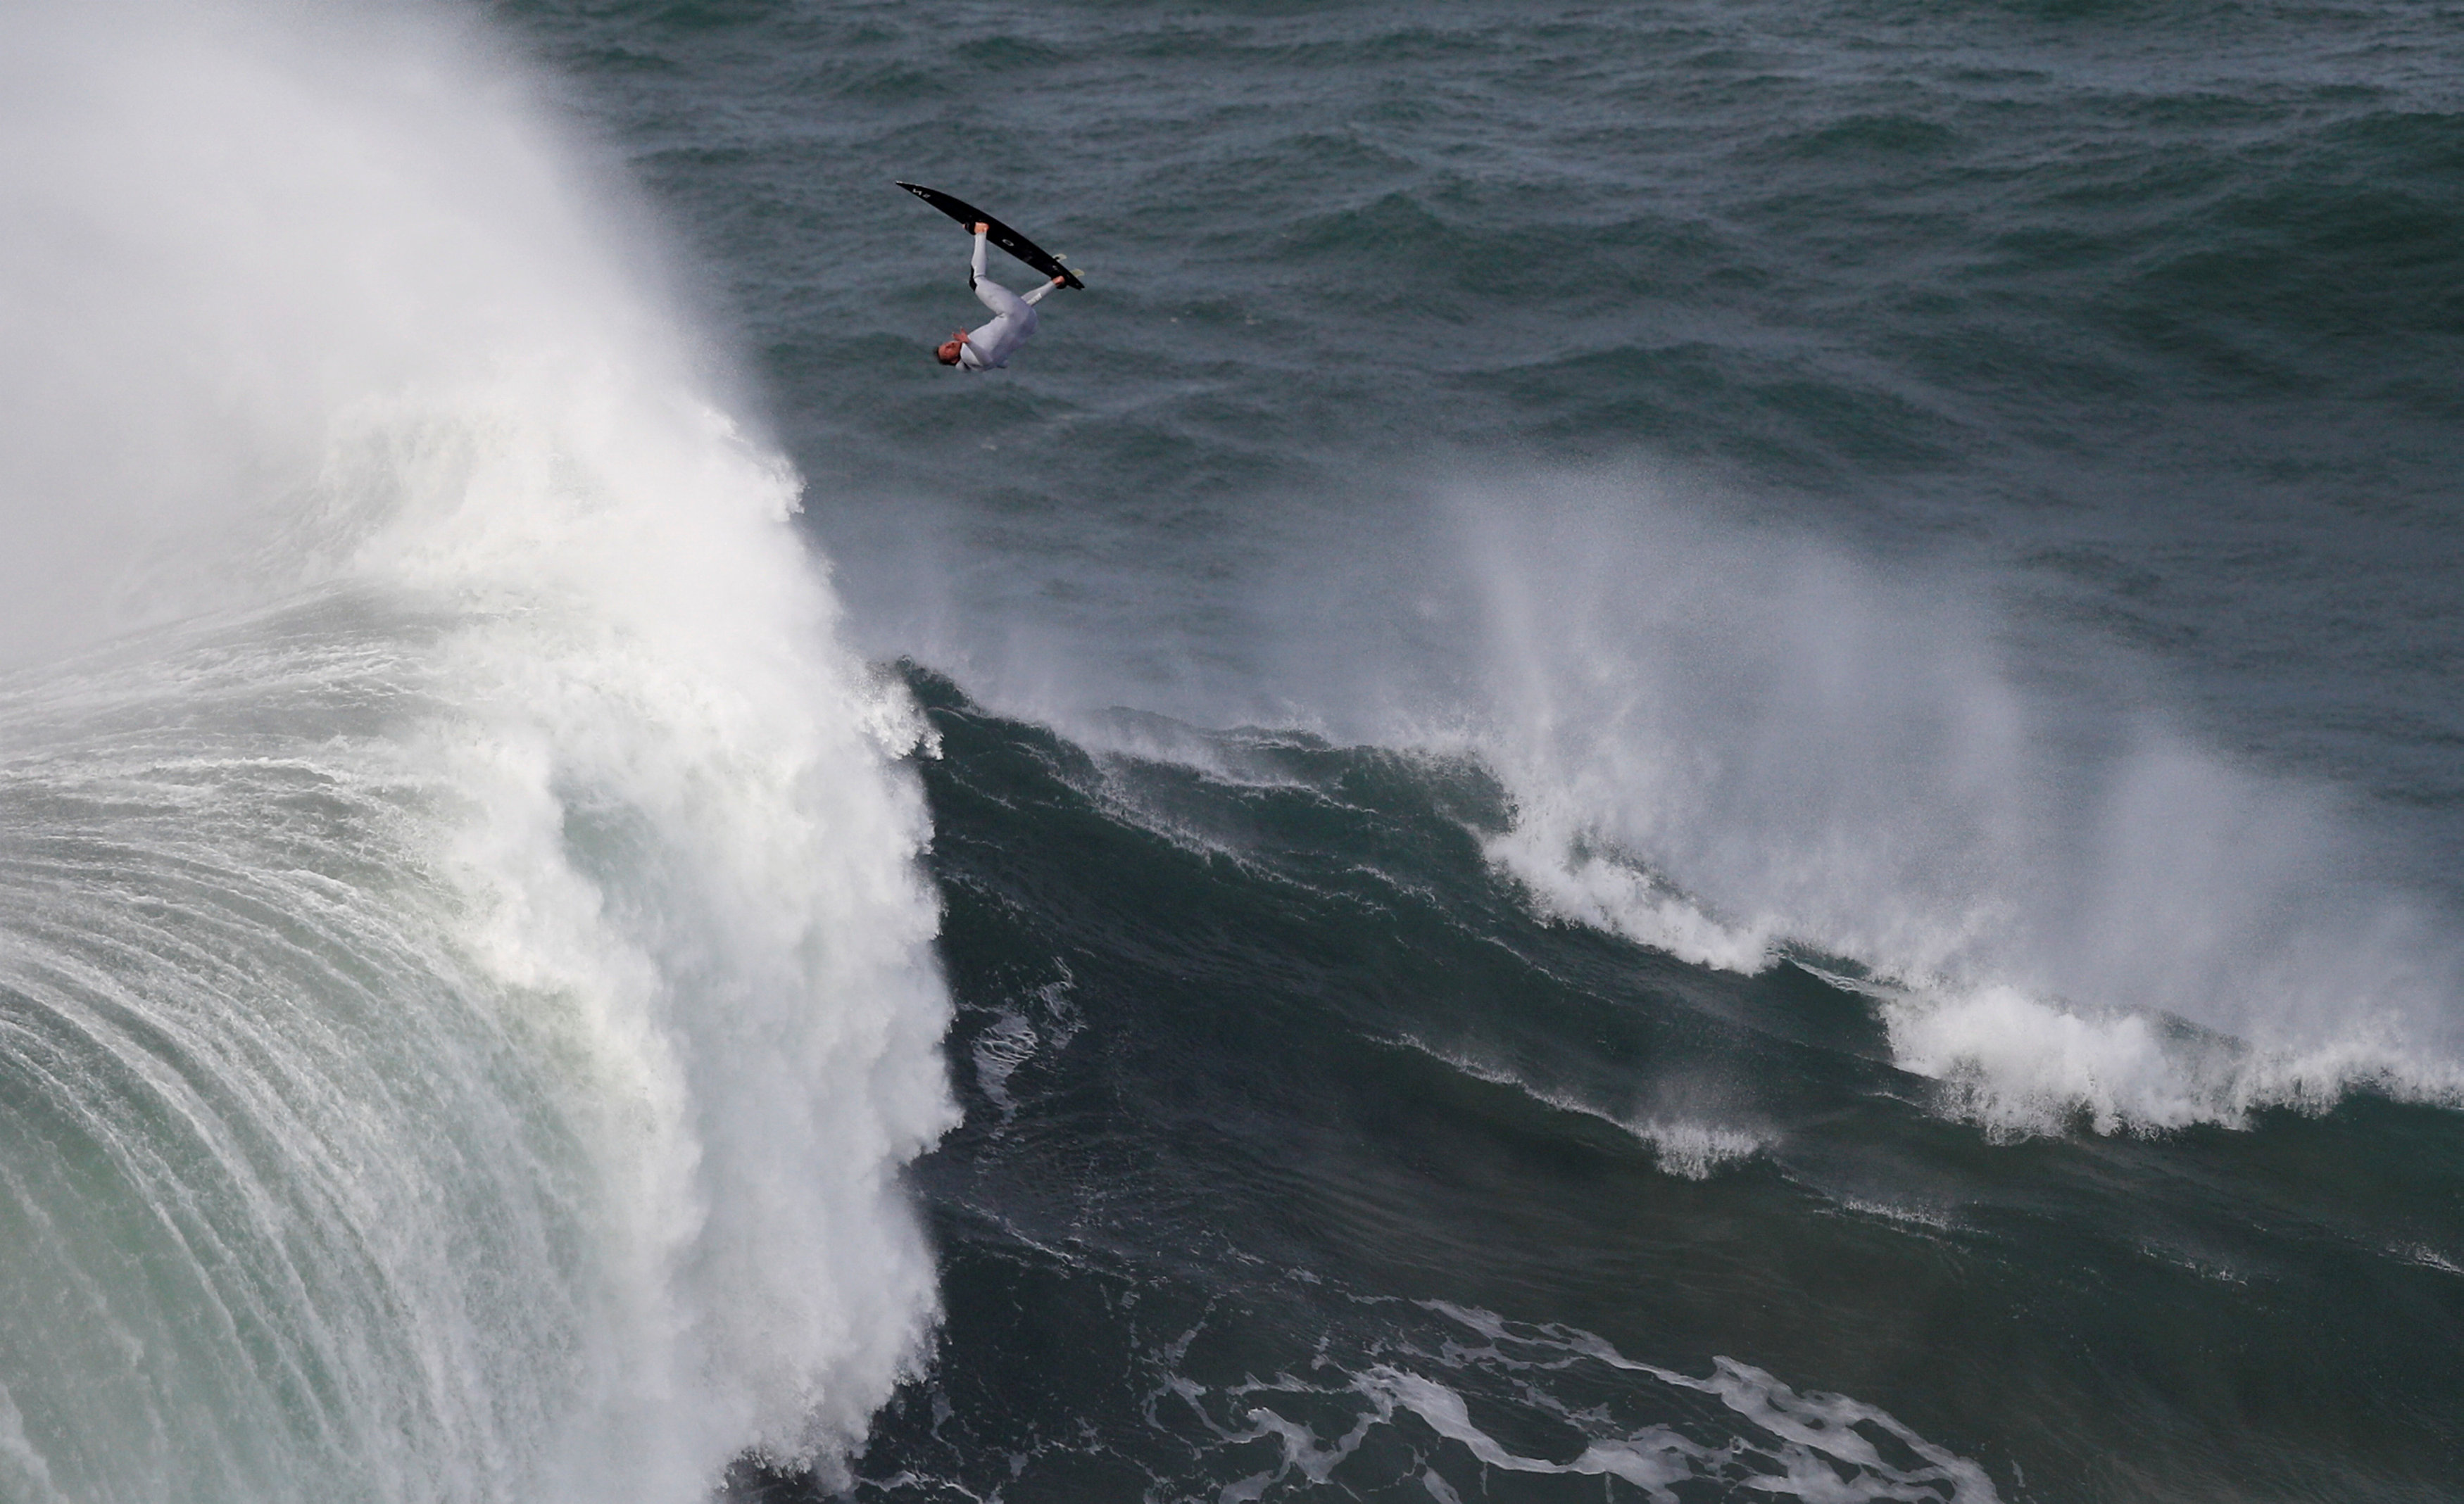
1738	741
465	983
1851	895
1304	1158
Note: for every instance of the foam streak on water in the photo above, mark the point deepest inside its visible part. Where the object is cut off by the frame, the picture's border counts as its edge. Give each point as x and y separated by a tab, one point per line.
1767	1438
465	986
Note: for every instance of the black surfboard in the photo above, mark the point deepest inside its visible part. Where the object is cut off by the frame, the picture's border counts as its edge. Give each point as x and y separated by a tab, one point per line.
996	233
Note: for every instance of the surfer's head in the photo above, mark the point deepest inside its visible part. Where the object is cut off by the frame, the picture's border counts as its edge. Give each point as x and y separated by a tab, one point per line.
948	353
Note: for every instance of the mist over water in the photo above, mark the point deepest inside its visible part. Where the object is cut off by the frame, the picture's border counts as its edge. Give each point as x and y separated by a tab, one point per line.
1862	761
1955	493
1837	636
1689	751
1729	739
466	984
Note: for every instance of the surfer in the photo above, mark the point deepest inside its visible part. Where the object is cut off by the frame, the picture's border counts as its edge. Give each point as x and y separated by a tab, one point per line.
989	348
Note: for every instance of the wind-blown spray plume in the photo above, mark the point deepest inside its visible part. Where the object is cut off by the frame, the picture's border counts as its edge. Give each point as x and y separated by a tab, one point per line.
1725	742
465	982
1731	741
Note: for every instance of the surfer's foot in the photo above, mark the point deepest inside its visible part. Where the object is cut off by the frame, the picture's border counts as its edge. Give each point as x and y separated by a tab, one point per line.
983	228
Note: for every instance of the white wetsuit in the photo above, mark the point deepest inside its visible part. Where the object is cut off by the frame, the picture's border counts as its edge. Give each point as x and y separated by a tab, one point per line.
1014	318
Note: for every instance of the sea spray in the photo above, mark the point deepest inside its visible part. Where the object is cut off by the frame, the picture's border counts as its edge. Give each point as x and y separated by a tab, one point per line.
466	994
1734	741
1726	741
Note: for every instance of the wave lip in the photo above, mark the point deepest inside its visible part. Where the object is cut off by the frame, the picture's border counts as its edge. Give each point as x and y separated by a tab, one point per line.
1571	879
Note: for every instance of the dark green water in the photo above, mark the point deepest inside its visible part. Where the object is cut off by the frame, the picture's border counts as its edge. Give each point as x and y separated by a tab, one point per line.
1858	900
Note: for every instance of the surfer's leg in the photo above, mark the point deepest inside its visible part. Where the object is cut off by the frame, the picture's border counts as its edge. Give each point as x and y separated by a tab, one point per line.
1000	299
976	268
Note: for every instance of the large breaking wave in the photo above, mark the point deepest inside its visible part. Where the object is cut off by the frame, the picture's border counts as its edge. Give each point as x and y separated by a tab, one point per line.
465	983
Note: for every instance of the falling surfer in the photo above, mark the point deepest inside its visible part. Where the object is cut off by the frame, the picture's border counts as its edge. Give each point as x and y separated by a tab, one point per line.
990	347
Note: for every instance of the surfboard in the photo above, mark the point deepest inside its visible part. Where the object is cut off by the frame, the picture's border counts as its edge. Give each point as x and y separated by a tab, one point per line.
996	233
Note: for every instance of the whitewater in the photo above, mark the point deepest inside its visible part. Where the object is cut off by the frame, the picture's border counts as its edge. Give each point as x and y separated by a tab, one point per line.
466	990
1686	749
1761	692
1741	743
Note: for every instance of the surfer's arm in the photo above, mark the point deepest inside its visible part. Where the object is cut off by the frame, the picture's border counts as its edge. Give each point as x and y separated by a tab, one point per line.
1039	288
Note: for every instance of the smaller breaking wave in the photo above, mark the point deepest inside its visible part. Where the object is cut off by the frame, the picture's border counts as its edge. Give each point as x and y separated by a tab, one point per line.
1571	879
2018	1067
1728	744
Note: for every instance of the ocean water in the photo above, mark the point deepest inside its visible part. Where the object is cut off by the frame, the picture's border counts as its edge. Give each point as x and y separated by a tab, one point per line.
1673	753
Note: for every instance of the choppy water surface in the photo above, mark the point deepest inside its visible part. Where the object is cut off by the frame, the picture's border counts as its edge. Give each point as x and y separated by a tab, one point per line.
1676	752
